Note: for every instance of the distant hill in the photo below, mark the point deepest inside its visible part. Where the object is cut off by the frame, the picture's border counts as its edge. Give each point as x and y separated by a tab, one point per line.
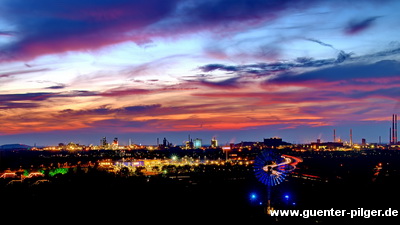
15	147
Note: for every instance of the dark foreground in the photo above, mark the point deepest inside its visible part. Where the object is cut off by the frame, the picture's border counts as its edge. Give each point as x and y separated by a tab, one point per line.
218	195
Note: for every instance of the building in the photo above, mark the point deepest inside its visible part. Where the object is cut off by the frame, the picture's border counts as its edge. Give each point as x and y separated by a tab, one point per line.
326	145
103	142
214	143
274	142
363	142
197	143
114	145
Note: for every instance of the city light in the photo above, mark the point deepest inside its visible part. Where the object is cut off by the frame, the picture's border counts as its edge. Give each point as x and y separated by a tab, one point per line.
253	196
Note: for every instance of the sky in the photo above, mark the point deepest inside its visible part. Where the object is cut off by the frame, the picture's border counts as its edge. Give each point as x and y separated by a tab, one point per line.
237	70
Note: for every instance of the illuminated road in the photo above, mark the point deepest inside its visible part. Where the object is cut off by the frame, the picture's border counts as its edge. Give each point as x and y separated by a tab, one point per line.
288	160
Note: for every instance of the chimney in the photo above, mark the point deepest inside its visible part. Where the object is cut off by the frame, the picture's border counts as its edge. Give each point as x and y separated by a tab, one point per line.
351	137
334	135
395	127
390	135
393	133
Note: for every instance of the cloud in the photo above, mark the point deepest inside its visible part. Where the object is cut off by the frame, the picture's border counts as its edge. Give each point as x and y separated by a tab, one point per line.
228	83
29	100
39	96
49	27
119	125
6	33
18	105
107	110
345	65
358	26
380	69
213	67
58	86
267	69
320	42
21	72
119	92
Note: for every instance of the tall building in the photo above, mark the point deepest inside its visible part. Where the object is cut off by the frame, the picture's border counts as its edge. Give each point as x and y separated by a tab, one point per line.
103	141
165	142
214	143
114	145
363	142
189	143
197	143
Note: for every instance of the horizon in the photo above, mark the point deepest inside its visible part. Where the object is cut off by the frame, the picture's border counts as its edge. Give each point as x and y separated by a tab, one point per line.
235	70
178	139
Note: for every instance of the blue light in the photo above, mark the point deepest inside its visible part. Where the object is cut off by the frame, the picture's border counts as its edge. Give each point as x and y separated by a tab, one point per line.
294	203
286	196
253	196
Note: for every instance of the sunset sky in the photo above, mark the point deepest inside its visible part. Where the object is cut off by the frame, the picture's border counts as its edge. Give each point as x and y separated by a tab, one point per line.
237	70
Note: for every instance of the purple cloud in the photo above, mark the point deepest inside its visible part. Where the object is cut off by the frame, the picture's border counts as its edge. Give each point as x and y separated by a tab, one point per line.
47	26
17	105
358	26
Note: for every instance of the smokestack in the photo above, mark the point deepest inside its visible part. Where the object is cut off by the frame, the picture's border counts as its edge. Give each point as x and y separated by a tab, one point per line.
395	127
334	135
390	135
393	133
351	137
392	139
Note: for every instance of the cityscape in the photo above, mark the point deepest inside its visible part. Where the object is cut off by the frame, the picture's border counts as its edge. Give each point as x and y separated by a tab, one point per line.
196	173
212	111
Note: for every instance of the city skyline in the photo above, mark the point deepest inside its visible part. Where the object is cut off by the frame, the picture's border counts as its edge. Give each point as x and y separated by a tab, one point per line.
224	139
235	70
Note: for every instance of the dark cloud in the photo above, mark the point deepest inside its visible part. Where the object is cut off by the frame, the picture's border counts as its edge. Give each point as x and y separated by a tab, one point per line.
59	86
215	12
384	68
344	66
39	96
141	108
47	26
103	110
20	72
250	69
345	82
266	69
17	105
10	99
357	26
342	56
320	42
392	93
107	110
212	67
